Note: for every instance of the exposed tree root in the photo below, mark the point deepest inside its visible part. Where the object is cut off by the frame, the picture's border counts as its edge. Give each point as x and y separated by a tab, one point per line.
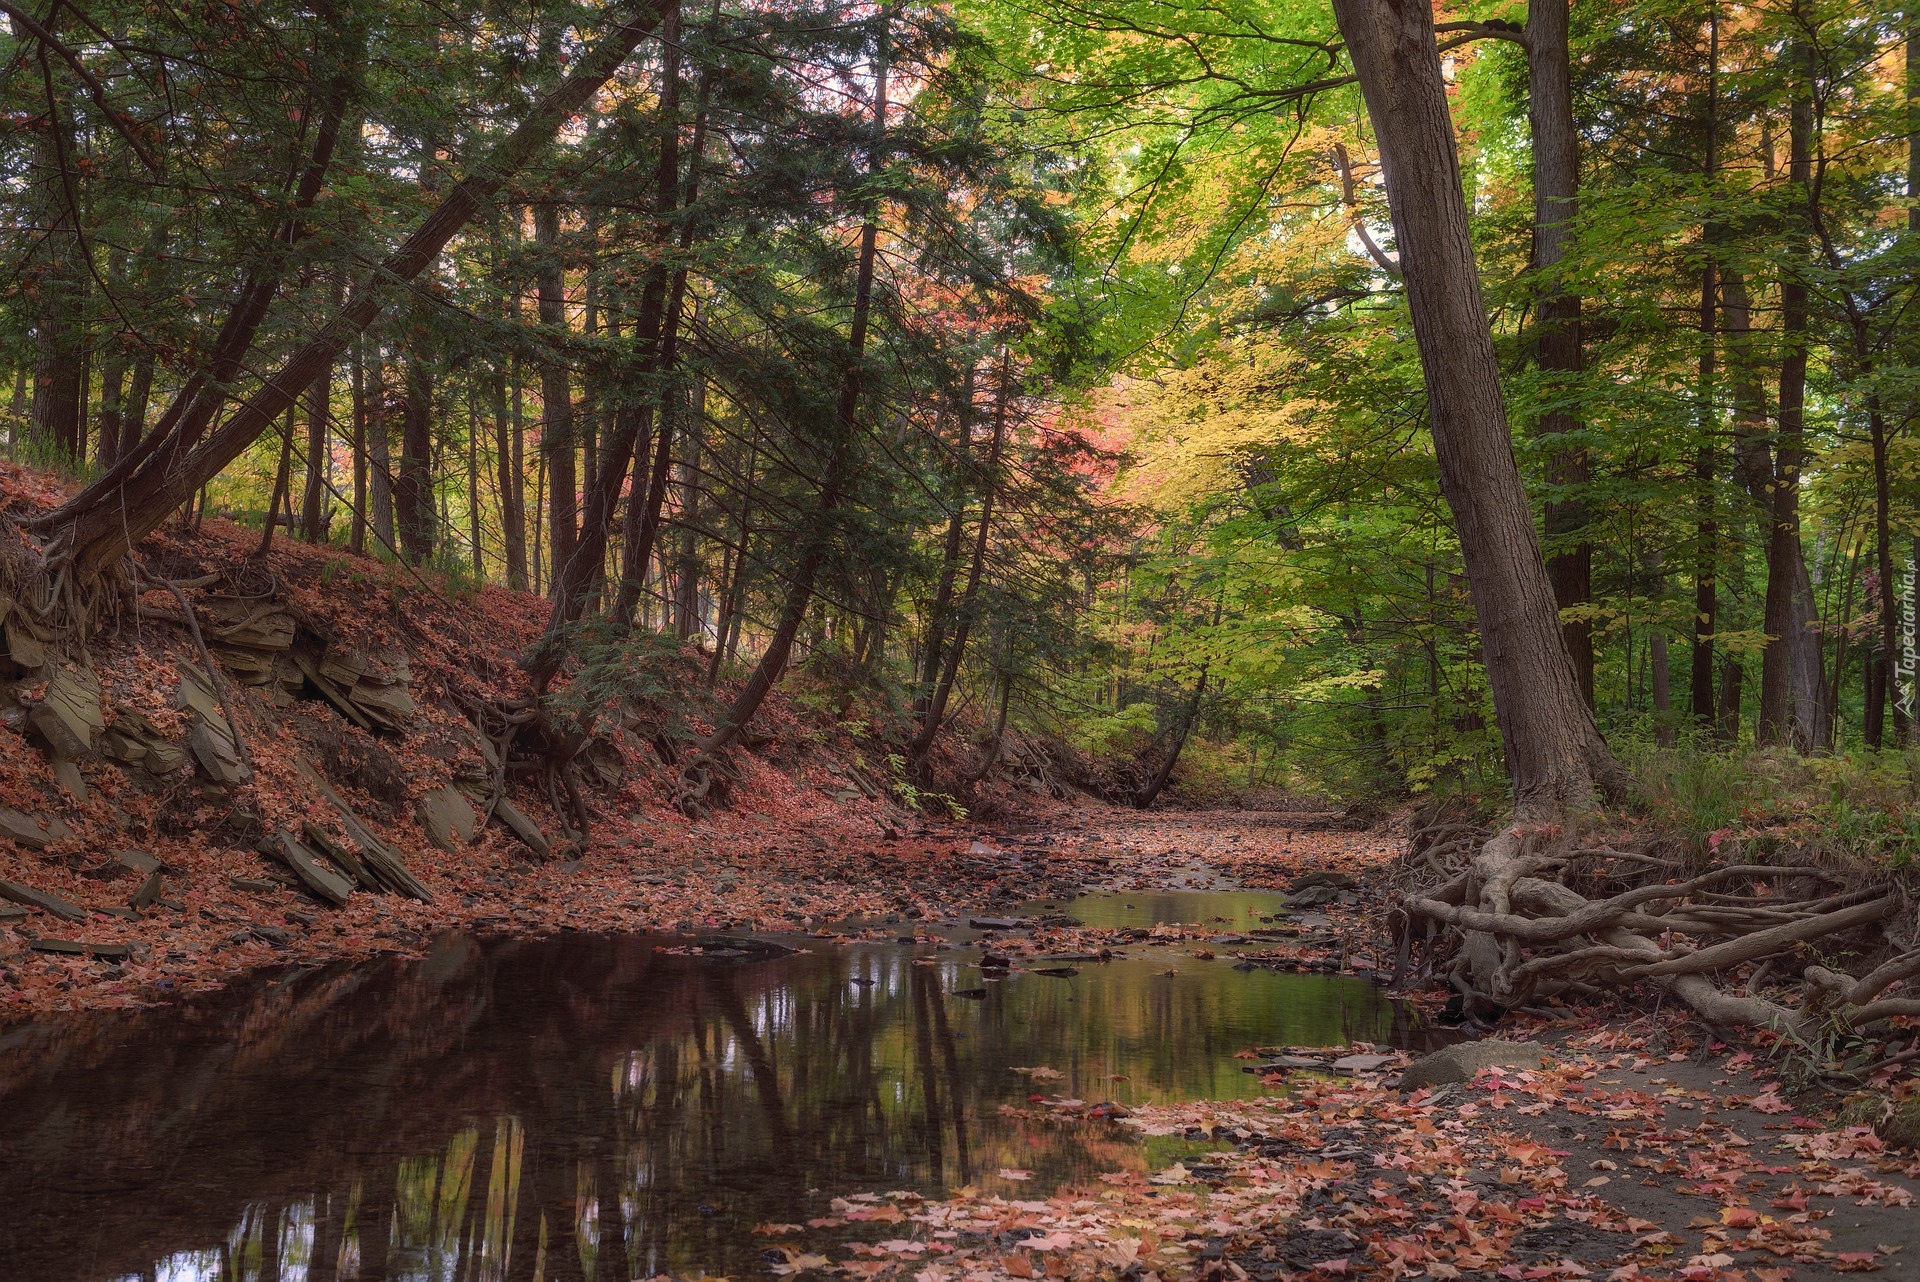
1511	916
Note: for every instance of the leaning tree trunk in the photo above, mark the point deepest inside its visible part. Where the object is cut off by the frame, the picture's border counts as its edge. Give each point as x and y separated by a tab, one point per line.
1555	756
654	331
920	752
91	532
1509	900
696	775
1157	784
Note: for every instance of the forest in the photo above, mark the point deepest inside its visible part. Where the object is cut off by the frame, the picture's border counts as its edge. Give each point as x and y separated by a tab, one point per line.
1053	358
584	423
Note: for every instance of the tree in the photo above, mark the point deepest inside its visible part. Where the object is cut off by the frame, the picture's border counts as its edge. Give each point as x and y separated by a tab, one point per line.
1555	755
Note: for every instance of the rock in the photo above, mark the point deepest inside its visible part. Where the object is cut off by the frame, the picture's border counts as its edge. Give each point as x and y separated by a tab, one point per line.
23	646
23	830
1461	1062
1296	1061
382	862
995	923
132	741
322	879
195	693
522	827
81	948
1335	880
148	892
447	818
1311	896
343	859
69	717
67	773
11	913
138	860
64	909
982	848
1901	1127
1360	1063
214	749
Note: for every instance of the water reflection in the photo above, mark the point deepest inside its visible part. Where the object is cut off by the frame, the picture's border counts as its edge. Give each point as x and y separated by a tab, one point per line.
1119	909
589	1107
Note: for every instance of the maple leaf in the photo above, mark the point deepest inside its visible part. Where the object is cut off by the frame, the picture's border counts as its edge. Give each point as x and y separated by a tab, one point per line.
1856	1262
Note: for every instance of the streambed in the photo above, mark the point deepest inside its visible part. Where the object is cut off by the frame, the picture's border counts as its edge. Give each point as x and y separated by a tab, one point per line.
596	1106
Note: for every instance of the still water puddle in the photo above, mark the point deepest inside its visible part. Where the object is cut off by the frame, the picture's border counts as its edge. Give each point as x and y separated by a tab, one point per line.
591	1107
1216	909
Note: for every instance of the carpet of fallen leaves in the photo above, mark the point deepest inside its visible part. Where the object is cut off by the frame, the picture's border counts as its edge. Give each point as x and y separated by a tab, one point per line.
1599	1165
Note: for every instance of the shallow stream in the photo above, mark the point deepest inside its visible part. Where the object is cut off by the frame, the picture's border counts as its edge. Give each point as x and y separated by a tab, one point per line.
592	1107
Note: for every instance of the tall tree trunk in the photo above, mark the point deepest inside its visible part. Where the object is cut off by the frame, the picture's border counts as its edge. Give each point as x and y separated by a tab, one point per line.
380	457
557	444
1883	562
508	429
473	487
1556	183
1555	756
507	455
357	532
1706	606
695	779
662	335
113	377
686	562
133	419
933	653
280	475
313	525
1786	566
413	485
920	751
655	331
55	422
100	525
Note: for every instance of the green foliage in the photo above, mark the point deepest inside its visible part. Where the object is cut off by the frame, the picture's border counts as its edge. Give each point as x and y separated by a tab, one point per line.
621	672
1860	807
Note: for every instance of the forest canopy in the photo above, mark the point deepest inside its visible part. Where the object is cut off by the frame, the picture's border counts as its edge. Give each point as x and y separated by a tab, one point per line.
1036	369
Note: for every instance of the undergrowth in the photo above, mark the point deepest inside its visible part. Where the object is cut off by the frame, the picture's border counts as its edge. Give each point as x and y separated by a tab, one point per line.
1861	806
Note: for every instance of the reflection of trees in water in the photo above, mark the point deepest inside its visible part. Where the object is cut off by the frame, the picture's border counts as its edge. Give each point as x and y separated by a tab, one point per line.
584	1108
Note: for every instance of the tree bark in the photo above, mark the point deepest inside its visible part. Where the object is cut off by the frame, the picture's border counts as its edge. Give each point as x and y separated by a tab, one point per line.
557	443
694	779
1883	563
413	483
935	649
662	334
357	532
1706	587
1558	349
313	526
93	530
655	331
1776	725
1161	776
920	751
380	457
55	422
1555	756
